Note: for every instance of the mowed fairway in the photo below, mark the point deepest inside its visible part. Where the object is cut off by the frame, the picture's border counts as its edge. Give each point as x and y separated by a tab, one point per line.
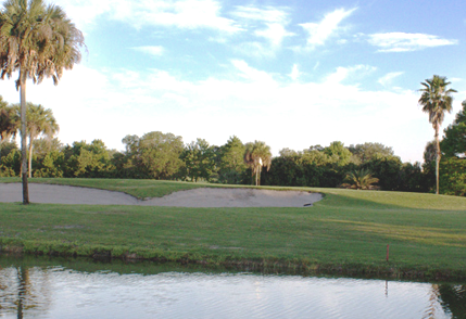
347	229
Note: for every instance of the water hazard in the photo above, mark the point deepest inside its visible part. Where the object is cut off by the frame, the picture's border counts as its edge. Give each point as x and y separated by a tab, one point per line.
51	290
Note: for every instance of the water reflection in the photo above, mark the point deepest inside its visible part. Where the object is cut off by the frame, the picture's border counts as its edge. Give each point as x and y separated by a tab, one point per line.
60	292
22	290
453	300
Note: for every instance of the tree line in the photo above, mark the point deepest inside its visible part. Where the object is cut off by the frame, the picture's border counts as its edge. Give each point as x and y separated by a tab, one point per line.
38	41
157	155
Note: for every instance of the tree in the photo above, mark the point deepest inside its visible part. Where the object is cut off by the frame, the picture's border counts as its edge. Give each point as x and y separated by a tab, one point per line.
200	160
453	164
159	155
454	141
360	179
256	156
453	176
338	149
435	100
387	169
231	162
39	121
88	160
8	123
365	152
430	155
40	42
43	146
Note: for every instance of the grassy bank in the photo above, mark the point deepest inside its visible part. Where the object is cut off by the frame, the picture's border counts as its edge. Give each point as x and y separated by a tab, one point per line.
346	232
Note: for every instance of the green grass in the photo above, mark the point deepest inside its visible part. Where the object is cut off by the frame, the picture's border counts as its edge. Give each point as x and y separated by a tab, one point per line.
348	230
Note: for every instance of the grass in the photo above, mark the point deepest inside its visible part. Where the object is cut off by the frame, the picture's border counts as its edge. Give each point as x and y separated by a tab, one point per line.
348	231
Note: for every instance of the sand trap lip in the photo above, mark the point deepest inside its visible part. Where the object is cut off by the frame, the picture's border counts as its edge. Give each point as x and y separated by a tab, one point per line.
199	197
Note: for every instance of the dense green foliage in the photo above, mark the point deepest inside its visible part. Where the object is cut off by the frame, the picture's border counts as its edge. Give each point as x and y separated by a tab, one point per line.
453	164
453	176
164	156
454	142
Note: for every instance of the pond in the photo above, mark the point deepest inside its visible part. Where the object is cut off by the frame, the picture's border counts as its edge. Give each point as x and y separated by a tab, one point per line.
58	288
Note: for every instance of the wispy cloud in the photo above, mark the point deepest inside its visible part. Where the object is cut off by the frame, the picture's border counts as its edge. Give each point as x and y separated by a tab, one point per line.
269	23
320	32
387	79
152	50
255	49
275	33
404	42
183	14
268	14
249	73
353	72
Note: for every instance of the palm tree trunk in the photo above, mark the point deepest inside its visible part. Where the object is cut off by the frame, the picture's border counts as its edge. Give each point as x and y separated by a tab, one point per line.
437	166
24	168
258	177
30	157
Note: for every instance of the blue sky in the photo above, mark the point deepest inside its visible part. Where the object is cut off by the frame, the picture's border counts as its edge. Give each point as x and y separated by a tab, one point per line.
290	73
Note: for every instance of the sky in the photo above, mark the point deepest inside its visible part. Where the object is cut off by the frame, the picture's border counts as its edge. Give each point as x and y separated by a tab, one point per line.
290	73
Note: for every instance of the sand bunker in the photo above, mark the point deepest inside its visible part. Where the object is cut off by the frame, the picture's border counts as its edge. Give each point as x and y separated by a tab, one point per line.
200	197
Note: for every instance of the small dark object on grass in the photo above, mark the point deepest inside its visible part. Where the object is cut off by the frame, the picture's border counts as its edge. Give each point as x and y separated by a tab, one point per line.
310	204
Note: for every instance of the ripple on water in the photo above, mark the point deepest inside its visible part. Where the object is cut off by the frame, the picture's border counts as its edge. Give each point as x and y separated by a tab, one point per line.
63	293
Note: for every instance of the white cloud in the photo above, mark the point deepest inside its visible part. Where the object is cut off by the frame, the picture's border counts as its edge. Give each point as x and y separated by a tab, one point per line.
271	15
152	50
252	74
404	42
255	49
320	32
295	73
269	23
274	32
91	104
353	72
84	12
454	80
183	14
387	79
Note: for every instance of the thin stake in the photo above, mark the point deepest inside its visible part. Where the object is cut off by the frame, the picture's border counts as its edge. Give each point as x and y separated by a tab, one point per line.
388	252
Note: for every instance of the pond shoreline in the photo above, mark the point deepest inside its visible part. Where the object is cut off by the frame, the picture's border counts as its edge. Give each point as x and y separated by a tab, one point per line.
345	233
294	266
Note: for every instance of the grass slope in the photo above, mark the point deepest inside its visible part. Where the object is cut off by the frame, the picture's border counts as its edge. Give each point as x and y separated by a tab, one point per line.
348	230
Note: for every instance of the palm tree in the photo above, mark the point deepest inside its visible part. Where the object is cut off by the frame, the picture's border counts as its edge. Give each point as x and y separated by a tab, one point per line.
40	42
360	179
39	121
256	156
436	99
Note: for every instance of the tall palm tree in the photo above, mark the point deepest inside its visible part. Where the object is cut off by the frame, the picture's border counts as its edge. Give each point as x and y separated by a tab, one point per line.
436	99
256	156
40	42
39	121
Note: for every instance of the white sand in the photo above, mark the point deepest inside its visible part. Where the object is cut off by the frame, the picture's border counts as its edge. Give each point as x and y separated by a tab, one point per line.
200	197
